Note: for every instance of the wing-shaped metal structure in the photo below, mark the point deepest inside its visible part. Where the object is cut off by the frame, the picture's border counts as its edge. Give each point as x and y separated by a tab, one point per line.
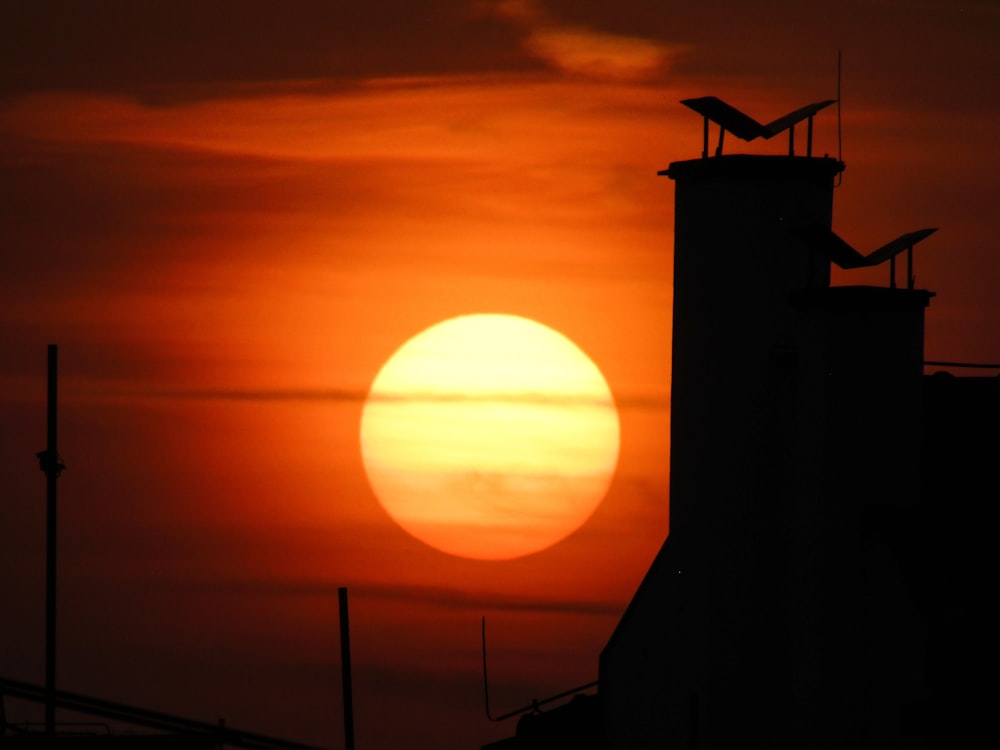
829	245
793	118
740	124
898	245
727	117
824	241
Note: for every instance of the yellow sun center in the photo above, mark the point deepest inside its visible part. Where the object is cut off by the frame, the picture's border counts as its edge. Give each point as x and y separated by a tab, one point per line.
489	436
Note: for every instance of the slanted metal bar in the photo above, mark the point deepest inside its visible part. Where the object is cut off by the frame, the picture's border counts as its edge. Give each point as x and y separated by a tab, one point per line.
809	136
536	704
722	135
783	123
823	240
727	116
78	703
897	246
892	272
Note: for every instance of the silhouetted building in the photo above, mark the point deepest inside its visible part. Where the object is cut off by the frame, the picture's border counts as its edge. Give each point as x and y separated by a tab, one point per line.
778	614
947	551
813	591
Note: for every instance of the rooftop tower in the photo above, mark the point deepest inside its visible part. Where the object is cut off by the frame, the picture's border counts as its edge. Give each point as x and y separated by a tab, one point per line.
771	618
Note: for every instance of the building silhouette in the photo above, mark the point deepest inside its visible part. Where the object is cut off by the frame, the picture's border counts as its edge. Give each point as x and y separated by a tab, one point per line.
821	581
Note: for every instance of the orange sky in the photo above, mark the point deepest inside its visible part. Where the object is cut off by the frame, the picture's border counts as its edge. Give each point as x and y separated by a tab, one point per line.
228	218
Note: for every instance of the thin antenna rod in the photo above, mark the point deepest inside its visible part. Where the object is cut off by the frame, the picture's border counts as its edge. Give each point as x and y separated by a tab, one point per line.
51	465
345	668
840	140
535	704
486	679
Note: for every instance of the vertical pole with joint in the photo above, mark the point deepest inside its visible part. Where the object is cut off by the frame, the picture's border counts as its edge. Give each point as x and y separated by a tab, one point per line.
51	465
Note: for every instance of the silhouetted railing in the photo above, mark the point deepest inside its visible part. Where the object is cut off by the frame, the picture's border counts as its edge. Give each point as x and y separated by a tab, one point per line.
223	735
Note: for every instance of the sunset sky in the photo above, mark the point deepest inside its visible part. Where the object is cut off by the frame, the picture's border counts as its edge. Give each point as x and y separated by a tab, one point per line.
229	214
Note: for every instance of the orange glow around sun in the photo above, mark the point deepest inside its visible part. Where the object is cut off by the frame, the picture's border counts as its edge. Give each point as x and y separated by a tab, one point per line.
490	436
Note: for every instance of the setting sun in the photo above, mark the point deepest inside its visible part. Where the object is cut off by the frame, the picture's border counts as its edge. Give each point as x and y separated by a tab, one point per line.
265	237
490	436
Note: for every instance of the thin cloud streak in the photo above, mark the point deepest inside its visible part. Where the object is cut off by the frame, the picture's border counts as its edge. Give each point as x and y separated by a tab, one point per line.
474	120
635	401
464	600
434	596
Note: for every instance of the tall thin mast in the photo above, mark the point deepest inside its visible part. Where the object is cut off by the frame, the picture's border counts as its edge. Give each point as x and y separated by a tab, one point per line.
52	466
345	667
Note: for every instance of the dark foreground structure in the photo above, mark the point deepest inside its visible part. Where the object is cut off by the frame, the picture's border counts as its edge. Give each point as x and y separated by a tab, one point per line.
103	719
108	725
824	581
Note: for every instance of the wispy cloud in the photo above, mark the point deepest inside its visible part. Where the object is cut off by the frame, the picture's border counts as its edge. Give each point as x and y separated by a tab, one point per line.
598	54
583	51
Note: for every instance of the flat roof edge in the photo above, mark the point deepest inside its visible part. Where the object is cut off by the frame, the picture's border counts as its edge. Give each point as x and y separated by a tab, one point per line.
755	166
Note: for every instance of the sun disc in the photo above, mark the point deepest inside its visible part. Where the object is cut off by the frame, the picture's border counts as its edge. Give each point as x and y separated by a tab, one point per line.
489	436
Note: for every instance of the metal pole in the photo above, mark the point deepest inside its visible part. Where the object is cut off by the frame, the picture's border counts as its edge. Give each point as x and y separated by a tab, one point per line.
345	668
50	465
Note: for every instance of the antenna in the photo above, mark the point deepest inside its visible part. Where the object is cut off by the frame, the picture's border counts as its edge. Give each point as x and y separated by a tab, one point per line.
345	668
486	679
50	463
840	142
536	704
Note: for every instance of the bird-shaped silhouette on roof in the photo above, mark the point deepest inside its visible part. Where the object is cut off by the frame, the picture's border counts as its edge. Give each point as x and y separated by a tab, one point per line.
740	124
823	240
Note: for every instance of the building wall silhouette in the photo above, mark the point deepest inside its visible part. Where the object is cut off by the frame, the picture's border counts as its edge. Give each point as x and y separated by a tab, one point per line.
772	617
